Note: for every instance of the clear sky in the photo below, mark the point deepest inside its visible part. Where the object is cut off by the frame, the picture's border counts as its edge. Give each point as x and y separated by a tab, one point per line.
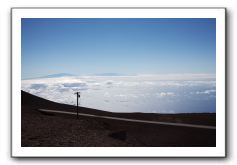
127	46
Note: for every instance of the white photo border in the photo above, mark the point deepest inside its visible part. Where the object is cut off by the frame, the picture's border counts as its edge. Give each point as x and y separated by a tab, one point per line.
218	13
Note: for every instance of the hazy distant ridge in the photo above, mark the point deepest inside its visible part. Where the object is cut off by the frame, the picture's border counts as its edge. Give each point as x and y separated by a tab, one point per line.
53	76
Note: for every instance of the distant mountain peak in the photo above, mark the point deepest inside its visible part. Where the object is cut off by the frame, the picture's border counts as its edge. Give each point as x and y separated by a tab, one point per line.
58	75
108	74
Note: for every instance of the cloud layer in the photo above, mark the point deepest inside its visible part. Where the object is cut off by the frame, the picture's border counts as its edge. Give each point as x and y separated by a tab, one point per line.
141	93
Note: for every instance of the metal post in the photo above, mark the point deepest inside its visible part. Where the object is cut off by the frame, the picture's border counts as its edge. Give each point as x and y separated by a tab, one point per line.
78	96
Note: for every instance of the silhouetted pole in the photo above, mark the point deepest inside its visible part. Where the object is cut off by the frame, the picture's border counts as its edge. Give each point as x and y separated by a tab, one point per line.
78	96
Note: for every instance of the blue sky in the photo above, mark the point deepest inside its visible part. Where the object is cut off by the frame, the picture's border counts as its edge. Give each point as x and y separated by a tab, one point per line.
127	46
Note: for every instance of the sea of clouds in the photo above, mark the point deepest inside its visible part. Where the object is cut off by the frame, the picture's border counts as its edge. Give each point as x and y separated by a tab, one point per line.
183	93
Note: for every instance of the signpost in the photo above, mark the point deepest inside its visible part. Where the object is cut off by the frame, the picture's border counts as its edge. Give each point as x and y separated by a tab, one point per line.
78	96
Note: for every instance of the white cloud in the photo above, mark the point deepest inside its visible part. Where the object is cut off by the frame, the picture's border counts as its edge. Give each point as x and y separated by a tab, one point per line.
210	91
128	93
163	94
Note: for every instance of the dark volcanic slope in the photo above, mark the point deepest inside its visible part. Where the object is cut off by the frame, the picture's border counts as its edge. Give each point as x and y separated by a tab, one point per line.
197	118
40	129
